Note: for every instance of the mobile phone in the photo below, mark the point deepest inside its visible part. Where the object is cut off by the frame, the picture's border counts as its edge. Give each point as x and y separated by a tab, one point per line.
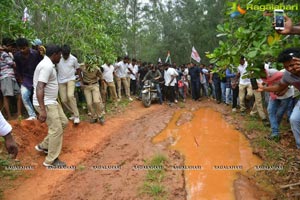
279	19
254	83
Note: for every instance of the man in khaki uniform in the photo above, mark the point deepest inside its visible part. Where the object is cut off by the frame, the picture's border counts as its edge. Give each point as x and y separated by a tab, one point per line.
89	76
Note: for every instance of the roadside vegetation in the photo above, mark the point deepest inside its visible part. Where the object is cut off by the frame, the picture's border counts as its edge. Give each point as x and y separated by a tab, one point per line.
6	175
153	184
280	156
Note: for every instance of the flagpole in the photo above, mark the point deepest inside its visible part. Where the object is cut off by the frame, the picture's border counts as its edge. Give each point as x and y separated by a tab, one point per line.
191	56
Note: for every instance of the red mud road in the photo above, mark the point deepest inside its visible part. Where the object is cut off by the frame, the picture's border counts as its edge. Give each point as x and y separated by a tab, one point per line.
124	140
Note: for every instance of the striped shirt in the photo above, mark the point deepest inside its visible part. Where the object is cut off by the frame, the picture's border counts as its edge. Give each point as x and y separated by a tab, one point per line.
6	66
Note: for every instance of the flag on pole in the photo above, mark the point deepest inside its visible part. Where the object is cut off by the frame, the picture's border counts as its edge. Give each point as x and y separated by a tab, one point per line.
25	15
168	59
195	55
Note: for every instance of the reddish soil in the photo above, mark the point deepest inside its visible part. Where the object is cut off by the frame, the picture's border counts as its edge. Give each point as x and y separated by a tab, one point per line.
125	140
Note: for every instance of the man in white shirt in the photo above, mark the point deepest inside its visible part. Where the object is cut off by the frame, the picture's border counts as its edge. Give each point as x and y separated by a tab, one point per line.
133	76
50	111
121	69
170	81
5	131
244	84
66	69
108	76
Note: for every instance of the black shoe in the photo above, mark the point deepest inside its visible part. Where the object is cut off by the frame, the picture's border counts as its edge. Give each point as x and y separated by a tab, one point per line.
40	149
56	163
266	122
275	138
101	120
93	121
243	113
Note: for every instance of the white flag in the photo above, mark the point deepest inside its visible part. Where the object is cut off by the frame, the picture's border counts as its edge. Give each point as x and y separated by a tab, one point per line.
25	15
195	55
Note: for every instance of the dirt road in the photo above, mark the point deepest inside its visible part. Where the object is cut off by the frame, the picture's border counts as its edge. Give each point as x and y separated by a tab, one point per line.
125	141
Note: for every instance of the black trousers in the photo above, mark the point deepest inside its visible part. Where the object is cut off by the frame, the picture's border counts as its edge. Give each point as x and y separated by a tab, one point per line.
235	95
218	91
171	94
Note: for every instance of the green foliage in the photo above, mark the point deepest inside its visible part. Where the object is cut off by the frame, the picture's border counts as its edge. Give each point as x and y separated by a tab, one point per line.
154	28
252	36
108	28
89	27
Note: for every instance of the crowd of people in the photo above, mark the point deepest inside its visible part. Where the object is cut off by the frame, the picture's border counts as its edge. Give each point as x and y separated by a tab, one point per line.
44	80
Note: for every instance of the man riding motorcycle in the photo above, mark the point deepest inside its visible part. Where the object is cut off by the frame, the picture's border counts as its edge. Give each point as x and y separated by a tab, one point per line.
154	75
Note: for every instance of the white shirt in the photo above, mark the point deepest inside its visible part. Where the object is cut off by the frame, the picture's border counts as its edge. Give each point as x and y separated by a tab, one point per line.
121	69
66	69
242	70
45	72
108	73
168	76
186	72
5	127
135	70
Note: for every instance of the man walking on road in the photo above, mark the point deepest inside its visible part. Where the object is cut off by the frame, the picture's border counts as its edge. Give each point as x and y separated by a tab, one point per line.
50	111
66	69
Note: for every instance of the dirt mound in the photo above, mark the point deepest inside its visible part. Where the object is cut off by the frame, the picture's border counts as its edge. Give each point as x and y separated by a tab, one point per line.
27	134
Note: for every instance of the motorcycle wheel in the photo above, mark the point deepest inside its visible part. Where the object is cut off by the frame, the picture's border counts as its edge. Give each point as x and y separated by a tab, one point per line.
146	100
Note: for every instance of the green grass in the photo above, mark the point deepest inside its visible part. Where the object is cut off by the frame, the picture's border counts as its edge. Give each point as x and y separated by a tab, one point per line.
262	142
181	105
80	167
153	182
157	191
253	124
6	175
110	108
157	160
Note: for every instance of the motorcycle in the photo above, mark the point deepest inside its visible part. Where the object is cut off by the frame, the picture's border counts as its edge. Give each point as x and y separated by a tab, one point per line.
149	93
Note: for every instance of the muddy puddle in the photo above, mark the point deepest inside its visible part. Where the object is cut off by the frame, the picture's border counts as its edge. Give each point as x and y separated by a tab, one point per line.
215	153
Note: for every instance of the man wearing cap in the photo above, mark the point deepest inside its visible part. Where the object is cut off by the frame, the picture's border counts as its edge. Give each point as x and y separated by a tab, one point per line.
26	61
36	43
89	75
66	69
